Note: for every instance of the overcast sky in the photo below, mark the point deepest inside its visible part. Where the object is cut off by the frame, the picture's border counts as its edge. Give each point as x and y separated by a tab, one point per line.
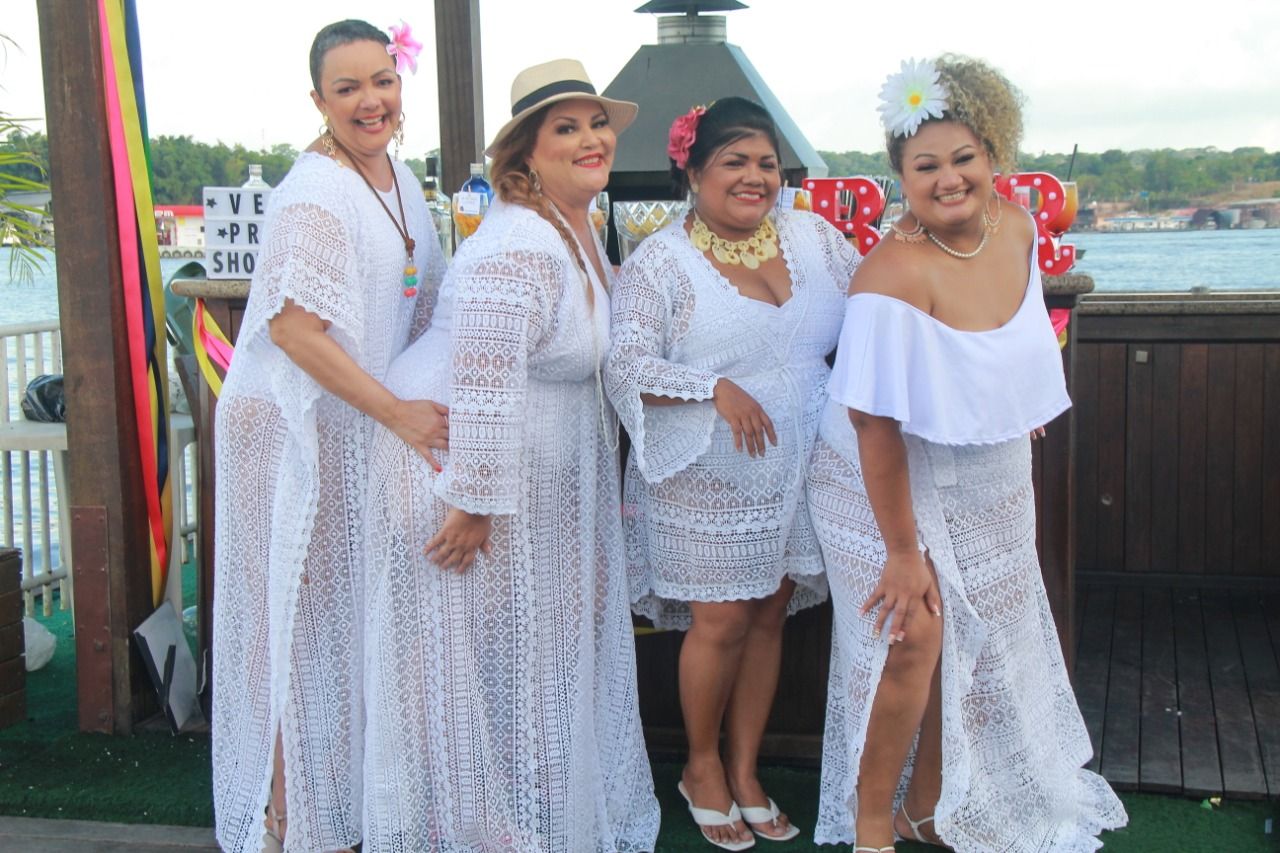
1101	73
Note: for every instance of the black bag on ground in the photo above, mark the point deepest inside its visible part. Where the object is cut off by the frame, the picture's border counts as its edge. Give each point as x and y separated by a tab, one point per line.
45	400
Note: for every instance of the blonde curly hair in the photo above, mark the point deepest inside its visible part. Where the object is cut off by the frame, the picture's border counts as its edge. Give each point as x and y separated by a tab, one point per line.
983	100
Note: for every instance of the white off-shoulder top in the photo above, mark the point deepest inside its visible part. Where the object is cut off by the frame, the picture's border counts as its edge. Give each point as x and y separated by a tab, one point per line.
945	385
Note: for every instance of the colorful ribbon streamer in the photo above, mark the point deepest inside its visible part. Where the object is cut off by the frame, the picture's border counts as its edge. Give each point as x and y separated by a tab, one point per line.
212	347
1060	317
140	266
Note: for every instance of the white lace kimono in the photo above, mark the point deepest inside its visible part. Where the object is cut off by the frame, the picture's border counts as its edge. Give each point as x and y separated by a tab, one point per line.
705	522
502	704
1013	741
291	473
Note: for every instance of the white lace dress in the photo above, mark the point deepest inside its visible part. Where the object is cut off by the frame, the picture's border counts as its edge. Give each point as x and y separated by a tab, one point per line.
705	522
503	713
1013	740
291	473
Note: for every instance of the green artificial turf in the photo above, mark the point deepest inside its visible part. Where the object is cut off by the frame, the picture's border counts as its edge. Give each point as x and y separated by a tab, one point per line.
49	769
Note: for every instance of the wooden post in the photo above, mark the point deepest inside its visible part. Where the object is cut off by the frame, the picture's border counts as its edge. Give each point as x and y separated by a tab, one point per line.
108	507
461	98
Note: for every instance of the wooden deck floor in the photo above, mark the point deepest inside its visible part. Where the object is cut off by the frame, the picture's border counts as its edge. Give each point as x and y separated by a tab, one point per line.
1180	686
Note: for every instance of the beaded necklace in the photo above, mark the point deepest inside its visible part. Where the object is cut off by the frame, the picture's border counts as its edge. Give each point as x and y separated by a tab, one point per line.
410	271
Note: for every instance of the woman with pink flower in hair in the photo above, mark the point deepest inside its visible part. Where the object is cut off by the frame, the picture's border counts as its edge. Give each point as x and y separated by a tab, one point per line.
721	325
347	276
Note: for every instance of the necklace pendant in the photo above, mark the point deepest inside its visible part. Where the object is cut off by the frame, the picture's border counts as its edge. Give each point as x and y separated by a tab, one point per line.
723	255
750	261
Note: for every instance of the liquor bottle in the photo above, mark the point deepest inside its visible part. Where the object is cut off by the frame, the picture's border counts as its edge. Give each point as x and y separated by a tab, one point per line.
255	179
438	208
471	202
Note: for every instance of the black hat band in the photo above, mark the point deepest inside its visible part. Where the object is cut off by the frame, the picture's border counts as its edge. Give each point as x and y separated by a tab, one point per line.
551	89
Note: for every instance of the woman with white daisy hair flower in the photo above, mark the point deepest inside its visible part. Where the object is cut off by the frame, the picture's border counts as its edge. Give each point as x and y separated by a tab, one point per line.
950	716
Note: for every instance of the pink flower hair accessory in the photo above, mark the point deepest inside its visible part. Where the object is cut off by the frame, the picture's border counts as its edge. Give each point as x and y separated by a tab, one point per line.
404	47
684	131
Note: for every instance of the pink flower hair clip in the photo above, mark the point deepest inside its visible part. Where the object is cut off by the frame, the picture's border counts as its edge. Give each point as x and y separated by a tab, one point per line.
684	131
404	47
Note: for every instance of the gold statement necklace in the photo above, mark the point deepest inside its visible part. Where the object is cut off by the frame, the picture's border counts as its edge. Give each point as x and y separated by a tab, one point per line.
750	253
410	276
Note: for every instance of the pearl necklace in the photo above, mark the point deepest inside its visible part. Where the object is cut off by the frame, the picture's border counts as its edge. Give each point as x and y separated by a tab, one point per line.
755	250
989	226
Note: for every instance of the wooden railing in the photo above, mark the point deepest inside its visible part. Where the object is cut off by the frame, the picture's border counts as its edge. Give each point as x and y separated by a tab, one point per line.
1178	434
33	491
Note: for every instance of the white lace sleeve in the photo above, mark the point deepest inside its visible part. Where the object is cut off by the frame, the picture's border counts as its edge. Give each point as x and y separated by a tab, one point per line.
502	310
842	255
308	260
647	319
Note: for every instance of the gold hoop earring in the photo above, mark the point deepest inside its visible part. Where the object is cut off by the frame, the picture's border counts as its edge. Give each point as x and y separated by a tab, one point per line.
326	140
992	223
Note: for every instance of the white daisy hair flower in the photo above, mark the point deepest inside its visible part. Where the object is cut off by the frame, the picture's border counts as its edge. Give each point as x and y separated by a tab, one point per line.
910	96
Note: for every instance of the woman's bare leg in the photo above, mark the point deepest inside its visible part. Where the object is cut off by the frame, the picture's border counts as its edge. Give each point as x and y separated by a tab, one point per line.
751	701
709	661
896	715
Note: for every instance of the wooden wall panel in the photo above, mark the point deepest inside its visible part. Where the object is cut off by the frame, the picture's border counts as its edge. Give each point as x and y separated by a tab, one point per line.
1193	418
1085	400
1178	443
1137	459
1271	459
1247	480
1165	372
1220	459
1111	453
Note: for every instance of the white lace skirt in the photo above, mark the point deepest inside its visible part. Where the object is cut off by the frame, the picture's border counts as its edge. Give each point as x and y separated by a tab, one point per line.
1013	739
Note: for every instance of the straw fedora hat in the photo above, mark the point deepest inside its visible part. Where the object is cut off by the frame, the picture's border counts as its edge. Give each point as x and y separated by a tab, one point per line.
558	80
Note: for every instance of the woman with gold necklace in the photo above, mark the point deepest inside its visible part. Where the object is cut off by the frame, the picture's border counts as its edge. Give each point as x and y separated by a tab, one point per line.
721	324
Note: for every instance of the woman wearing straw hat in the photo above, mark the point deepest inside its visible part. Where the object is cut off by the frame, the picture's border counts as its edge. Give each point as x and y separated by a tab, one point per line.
501	684
721	324
329	309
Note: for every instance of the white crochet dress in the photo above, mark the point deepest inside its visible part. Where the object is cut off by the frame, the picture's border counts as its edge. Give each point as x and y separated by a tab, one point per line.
502	702
291	473
703	521
1013	740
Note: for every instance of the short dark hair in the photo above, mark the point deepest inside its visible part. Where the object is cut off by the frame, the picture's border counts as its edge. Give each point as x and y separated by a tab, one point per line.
336	35
725	122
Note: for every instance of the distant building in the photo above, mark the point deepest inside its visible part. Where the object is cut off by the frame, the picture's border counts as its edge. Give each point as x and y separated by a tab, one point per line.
180	230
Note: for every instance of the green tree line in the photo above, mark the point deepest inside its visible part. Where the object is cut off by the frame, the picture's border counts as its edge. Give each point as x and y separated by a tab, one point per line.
180	166
1168	178
1157	179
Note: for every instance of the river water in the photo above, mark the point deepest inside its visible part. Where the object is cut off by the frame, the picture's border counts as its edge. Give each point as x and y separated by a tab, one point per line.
1162	261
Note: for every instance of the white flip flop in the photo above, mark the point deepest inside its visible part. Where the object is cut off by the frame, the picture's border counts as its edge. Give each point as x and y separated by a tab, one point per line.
711	817
760	814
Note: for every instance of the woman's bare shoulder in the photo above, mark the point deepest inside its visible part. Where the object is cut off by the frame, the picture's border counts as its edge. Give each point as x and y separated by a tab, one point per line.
894	268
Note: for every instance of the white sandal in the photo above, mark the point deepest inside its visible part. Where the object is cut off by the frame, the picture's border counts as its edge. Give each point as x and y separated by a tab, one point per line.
769	815
710	817
915	828
889	849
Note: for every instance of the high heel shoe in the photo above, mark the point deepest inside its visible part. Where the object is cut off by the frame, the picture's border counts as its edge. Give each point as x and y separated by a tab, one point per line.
916	834
273	829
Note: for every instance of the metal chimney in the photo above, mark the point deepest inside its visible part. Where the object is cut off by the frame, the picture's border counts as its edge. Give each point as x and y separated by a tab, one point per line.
692	63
